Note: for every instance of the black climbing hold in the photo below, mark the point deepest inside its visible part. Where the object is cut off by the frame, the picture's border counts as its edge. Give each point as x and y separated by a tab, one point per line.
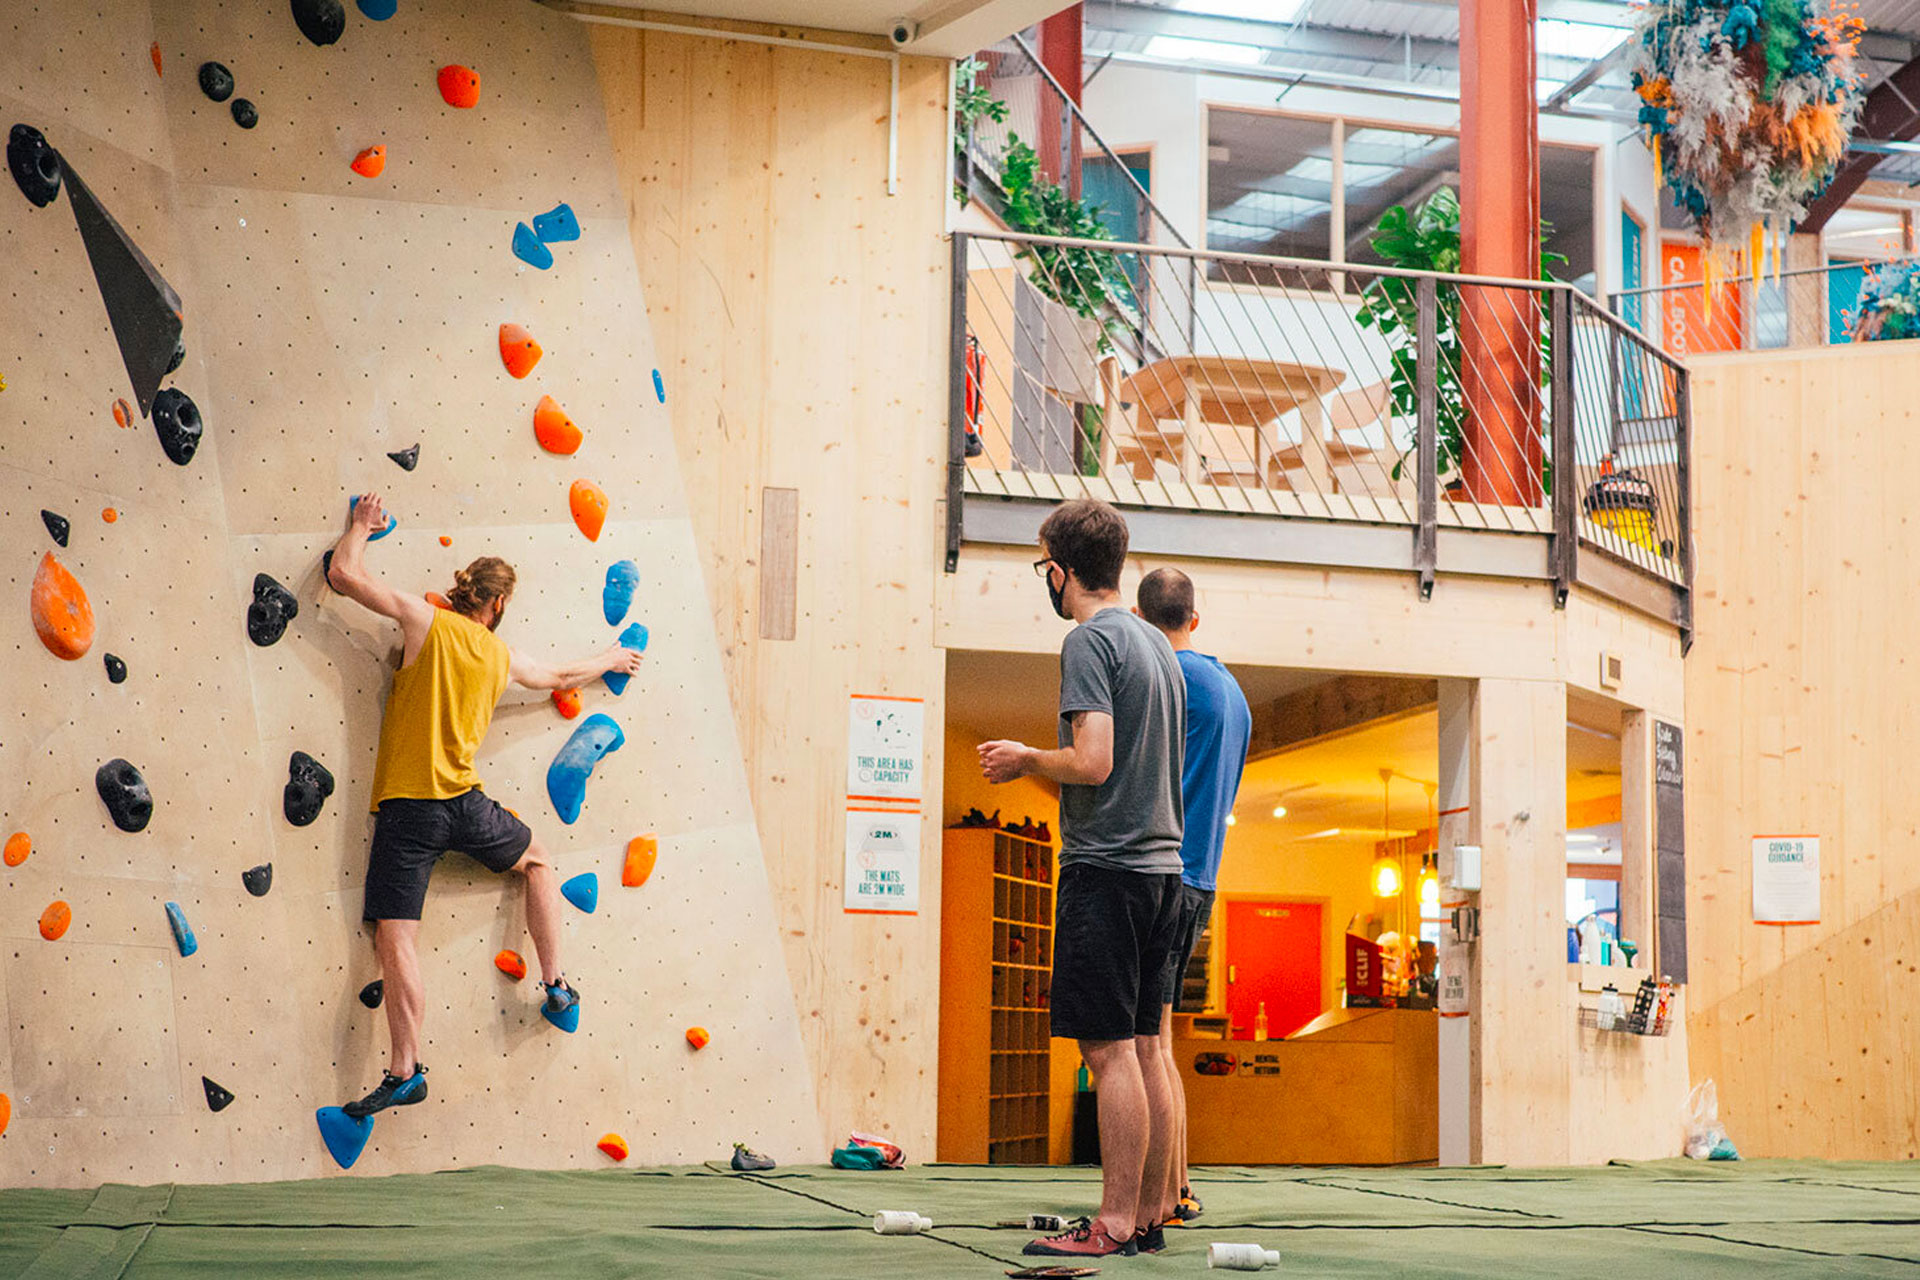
308	786
407	458
371	993
36	166
217	1097
272	609
177	420
144	309
56	525
216	81
244	113
258	879
125	793
116	669
320	21
179	355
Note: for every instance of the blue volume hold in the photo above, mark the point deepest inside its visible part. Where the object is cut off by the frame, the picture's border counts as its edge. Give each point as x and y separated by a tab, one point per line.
556	224
391	522
182	931
527	247
634	637
623	579
659	387
345	1137
568	1019
567	776
379	10
583	891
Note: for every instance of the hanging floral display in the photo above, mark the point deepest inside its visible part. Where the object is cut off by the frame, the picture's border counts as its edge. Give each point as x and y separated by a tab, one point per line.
1889	304
1747	107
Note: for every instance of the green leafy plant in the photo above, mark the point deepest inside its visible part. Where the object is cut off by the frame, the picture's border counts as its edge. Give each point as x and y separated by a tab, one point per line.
972	103
1089	282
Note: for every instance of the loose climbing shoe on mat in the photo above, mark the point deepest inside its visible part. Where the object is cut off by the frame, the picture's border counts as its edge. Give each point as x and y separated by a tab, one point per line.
560	996
1083	1239
393	1092
747	1160
1150	1240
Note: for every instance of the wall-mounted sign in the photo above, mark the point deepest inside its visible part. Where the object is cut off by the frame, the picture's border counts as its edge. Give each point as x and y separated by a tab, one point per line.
885	738
1786	880
885	748
883	861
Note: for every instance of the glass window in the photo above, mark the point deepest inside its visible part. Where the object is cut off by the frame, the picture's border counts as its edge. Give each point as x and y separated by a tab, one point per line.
1269	184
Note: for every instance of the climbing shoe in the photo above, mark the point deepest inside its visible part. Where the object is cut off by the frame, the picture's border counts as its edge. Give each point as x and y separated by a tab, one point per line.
1150	1240
1185	1211
1084	1238
747	1160
393	1092
560	996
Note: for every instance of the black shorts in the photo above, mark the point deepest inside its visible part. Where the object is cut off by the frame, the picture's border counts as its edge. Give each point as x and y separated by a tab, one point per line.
410	835
1112	932
1196	908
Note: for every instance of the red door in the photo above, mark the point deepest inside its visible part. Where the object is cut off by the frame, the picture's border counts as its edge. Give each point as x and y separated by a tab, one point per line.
1273	957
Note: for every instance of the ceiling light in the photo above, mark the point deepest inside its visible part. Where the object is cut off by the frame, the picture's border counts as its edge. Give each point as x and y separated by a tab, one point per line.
1252	10
1386	878
1587	41
1279	811
1581	837
1181	49
1231	819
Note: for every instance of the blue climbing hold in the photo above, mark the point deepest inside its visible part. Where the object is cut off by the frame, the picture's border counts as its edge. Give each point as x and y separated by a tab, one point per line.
568	1019
182	931
379	10
634	637
567	776
391	522
617	597
583	891
659	387
556	224
345	1137
527	247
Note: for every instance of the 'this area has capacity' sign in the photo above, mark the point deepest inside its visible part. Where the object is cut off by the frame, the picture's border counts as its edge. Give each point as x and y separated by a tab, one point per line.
884	741
1786	880
885	748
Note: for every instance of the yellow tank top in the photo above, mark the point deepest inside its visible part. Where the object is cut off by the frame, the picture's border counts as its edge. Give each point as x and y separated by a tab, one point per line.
438	712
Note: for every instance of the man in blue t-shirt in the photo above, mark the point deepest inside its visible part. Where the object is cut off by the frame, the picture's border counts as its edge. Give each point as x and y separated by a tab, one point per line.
1218	726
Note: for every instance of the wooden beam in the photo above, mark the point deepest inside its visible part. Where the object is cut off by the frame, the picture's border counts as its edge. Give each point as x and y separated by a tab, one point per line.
1340	705
1889	115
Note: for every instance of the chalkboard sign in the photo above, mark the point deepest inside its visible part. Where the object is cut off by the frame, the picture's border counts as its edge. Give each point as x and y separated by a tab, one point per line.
1670	850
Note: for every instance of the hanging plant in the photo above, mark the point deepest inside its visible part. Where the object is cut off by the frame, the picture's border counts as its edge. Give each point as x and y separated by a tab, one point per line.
972	103
1889	304
1090	282
1747	108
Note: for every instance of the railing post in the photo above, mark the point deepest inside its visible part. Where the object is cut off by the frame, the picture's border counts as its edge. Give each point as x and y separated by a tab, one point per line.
956	398
1427	430
1683	476
1566	497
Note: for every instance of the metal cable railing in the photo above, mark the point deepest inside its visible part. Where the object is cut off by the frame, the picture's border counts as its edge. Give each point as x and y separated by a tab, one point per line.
1803	307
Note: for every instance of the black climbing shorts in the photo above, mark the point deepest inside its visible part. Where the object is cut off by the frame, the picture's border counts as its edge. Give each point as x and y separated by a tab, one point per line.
1112	933
1196	908
410	835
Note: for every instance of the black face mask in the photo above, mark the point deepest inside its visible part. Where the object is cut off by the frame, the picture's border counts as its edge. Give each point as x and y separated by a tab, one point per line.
1058	595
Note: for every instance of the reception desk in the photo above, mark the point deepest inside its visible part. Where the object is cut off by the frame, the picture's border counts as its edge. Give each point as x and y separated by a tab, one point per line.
1354	1086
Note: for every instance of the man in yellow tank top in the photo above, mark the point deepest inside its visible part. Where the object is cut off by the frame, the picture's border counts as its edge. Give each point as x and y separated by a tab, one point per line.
427	797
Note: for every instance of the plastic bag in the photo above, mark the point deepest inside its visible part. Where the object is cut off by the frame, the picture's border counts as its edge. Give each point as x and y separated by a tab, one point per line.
1706	1136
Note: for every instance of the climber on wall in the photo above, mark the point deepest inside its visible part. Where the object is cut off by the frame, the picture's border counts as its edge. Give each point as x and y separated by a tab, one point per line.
427	799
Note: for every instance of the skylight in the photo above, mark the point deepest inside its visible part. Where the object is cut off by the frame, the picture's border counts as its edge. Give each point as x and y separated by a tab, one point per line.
1256	10
1586	41
1185	50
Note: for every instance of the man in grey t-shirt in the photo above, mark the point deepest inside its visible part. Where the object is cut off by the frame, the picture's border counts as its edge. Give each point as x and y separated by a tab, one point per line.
1122	730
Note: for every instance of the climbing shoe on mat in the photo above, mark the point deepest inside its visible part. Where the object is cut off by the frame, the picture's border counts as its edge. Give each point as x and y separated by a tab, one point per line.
1083	1239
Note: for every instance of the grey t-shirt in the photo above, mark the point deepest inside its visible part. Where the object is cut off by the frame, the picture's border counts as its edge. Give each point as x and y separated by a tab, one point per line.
1119	663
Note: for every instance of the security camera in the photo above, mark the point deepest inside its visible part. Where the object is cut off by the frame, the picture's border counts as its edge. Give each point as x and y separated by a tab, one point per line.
903	32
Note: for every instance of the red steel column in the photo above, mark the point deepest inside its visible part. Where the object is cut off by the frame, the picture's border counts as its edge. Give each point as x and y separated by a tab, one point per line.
1500	236
1060	52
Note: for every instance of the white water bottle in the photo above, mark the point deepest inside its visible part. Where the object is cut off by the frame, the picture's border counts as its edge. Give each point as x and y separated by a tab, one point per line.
900	1222
1241	1257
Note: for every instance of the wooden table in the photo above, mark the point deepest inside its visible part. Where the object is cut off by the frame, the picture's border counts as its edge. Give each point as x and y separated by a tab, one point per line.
1232	391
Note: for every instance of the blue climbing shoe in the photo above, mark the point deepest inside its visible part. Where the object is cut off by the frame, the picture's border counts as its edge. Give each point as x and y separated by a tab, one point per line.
562	1006
393	1092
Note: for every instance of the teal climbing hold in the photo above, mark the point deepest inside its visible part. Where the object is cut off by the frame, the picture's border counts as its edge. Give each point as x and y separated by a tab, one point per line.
182	931
568	1019
659	387
634	637
567	776
345	1137
527	247
583	891
391	522
379	10
556	224
623	579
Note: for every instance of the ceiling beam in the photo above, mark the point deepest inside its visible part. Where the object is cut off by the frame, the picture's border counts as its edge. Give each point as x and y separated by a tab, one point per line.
1888	116
1338	706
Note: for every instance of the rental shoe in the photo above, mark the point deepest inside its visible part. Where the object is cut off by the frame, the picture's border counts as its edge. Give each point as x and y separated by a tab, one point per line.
393	1091
1083	1239
1150	1240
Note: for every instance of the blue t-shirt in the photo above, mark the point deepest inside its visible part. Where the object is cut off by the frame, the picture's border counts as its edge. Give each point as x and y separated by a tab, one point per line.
1218	726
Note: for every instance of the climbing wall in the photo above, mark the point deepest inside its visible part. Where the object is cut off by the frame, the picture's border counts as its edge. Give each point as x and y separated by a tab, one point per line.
331	318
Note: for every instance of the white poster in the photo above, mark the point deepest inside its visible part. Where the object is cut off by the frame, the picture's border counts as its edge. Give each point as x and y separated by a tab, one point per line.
1786	879
883	861
885	739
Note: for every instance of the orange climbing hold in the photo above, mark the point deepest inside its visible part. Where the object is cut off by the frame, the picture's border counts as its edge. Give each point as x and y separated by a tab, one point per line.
511	964
459	85
153	51
445	541
642	853
54	921
698	1037
109	514
6	1111
438	601
19	845
557	434
567	703
61	612
370	162
123	413
614	1145
588	502
518	351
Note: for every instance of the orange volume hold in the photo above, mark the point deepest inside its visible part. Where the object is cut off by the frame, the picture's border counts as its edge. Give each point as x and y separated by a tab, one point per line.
642	853
614	1145
554	429
54	921
518	351
588	502
459	85
61	612
567	703
698	1037
19	845
510	963
370	163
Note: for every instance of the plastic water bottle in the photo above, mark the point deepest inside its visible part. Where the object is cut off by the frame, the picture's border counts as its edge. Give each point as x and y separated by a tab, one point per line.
1241	1257
1260	1022
900	1222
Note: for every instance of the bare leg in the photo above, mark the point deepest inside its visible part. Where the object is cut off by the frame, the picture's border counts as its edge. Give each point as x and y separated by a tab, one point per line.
1154	1207
1177	1166
406	998
543	908
1123	1131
